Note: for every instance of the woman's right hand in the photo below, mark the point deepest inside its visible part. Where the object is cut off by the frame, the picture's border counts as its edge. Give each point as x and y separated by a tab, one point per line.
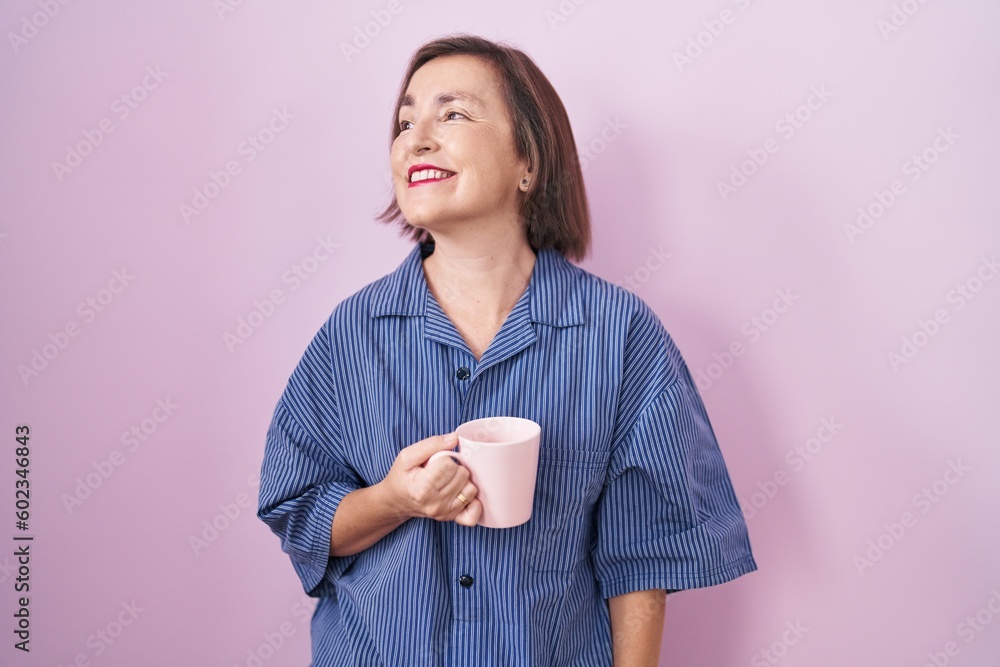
431	491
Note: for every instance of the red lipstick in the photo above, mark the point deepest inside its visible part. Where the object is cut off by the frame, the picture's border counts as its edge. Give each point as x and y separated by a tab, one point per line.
422	167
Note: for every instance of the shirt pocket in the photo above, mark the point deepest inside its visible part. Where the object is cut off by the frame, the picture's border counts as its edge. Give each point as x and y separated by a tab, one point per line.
568	485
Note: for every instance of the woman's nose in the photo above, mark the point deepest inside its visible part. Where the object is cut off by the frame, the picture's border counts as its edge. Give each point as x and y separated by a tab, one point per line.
421	136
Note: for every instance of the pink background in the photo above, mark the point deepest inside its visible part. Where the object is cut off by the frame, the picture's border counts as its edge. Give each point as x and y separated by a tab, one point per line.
658	137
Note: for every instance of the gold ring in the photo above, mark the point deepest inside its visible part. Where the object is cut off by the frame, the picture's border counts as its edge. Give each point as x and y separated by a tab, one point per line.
463	499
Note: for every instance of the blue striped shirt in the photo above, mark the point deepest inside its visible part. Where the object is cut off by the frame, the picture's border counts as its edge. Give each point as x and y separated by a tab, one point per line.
632	490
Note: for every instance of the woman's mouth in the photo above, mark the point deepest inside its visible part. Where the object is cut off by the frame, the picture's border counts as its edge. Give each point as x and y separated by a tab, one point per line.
429	176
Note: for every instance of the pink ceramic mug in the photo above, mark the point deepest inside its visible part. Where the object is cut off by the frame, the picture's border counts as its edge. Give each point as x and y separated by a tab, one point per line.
501	454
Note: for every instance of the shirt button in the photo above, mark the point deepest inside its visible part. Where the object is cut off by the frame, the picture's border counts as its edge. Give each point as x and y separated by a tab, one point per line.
462	373
465	580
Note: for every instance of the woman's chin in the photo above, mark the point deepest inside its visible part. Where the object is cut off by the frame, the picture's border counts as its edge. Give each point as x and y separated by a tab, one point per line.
430	221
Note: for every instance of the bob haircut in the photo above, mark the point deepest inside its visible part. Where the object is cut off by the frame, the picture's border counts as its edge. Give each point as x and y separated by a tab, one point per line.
554	209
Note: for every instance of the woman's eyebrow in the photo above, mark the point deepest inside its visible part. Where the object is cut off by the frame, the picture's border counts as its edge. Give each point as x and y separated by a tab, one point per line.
444	98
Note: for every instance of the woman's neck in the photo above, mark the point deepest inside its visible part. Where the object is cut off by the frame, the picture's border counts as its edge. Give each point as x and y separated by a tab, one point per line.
485	281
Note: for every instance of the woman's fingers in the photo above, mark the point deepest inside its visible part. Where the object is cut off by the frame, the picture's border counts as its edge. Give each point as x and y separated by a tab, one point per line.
469	491
471	514
417	454
436	491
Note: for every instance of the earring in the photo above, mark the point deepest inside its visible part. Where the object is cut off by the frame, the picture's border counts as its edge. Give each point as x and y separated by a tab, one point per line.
525	182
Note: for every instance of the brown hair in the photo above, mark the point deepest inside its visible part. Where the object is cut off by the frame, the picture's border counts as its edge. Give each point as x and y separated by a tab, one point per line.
554	208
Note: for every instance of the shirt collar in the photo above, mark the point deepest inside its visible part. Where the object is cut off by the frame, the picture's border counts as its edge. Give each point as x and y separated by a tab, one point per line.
553	289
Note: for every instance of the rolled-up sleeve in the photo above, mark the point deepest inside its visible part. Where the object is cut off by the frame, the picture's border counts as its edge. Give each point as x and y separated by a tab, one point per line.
304	475
668	516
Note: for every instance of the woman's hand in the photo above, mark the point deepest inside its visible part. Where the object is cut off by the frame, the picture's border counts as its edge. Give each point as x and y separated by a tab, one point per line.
431	491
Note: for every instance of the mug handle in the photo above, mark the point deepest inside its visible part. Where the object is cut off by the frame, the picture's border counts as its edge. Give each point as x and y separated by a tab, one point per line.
455	455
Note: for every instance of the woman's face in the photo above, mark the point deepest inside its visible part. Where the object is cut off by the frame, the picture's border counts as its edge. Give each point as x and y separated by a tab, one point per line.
454	118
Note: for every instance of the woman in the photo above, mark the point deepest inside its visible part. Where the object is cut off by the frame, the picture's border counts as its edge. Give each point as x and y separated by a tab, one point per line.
486	316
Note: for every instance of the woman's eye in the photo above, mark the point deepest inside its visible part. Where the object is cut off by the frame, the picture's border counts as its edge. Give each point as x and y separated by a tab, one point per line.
447	116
